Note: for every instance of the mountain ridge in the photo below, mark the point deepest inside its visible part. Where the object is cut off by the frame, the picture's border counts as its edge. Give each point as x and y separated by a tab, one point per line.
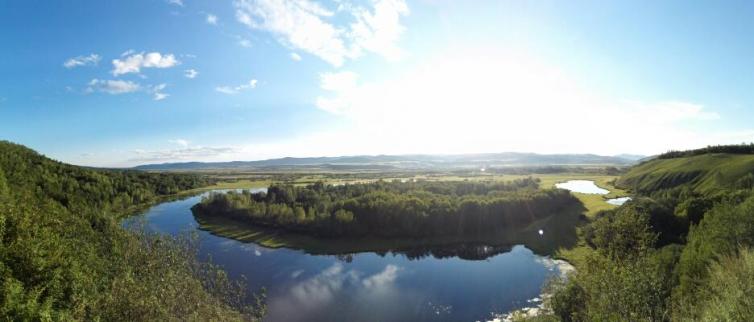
408	161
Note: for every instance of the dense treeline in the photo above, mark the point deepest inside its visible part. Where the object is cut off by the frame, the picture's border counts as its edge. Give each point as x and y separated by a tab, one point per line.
670	255
79	186
732	149
392	209
65	256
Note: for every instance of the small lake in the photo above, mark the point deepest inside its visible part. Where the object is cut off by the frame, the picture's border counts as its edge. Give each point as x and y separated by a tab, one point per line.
618	201
582	186
429	285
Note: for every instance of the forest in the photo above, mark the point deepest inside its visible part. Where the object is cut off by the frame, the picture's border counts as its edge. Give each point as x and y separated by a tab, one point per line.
674	253
65	256
392	209
731	149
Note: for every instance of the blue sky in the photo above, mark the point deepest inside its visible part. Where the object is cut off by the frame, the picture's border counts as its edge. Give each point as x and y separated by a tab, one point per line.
120	83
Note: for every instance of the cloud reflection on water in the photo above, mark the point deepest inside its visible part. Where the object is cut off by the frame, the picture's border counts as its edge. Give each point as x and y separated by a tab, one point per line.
335	285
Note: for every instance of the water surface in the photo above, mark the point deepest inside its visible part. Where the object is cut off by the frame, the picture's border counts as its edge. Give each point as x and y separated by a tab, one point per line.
618	201
371	286
582	186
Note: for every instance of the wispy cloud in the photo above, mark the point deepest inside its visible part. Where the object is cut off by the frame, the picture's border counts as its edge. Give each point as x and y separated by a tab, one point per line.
243	42
134	63
181	142
114	87
183	153
344	84
176	2
310	27
190	73
117	87
237	89
295	57
90	60
157	92
211	19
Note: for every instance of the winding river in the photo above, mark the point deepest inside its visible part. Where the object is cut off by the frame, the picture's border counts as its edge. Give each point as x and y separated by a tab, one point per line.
451	283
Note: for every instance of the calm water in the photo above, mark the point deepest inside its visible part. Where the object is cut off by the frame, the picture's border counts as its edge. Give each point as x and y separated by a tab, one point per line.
369	286
618	201
582	186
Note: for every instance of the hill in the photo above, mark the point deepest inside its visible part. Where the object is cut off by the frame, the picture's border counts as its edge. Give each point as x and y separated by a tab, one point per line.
418	161
65	257
703	173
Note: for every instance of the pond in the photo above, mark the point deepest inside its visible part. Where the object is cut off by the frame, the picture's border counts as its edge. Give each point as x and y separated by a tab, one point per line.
451	283
589	187
618	201
582	186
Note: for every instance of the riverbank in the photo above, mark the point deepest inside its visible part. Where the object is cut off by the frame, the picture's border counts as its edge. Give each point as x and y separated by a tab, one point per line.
544	236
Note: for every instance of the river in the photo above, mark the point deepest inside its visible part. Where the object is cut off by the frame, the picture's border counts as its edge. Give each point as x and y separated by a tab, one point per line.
464	283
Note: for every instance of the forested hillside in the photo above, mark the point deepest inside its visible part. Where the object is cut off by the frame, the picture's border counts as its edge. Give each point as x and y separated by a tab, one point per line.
680	251
64	255
393	209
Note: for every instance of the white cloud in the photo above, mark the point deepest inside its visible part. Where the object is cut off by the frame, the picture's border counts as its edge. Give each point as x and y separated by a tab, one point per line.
243	42
483	100
307	26
176	2
295	57
183	153
190	73
342	83
112	86
211	19
157	92
134	63
117	86
674	111
181	142
236	89
91	60
380	30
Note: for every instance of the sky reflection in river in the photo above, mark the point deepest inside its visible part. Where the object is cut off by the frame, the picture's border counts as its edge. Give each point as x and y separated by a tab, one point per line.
368	286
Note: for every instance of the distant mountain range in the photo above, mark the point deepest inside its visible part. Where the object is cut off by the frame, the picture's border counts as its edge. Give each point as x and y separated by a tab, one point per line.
418	161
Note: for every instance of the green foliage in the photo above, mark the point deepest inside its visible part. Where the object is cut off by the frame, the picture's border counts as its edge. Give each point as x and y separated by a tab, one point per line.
724	228
635	267
621	235
392	209
623	279
732	149
704	173
64	255
726	295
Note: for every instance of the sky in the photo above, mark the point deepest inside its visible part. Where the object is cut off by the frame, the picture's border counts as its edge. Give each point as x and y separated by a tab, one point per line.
122	83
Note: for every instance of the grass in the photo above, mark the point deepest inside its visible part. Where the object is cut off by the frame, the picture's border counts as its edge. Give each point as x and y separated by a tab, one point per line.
704	173
592	202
